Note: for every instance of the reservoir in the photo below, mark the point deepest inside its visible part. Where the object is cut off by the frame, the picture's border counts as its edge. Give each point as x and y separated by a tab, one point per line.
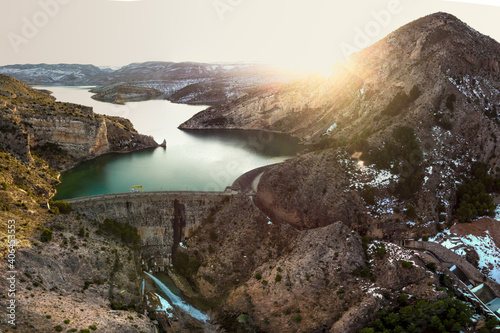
192	161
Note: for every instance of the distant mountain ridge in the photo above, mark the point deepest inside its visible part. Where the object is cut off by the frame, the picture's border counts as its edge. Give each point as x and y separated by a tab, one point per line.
185	82
57	74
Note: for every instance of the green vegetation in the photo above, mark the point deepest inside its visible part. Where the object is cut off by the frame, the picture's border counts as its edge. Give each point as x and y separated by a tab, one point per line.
431	266
403	157
401	101
186	266
63	206
450	102
213	235
123	231
380	250
46	235
278	278
446	315
58	328
473	198
411	212
67	321
406	264
403	300
93	327
366	272
258	276
491	324
368	195
51	152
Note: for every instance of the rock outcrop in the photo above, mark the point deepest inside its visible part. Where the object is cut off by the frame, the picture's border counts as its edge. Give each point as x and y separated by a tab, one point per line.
268	276
62	133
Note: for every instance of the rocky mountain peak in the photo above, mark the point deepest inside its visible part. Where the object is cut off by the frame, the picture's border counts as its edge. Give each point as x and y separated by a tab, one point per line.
418	108
441	40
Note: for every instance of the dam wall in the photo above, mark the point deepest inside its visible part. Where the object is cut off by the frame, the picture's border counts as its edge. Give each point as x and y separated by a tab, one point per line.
163	219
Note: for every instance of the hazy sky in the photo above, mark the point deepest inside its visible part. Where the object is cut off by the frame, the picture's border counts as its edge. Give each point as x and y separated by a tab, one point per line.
308	34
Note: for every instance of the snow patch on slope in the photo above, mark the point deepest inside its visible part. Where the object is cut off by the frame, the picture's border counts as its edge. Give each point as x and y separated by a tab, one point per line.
489	253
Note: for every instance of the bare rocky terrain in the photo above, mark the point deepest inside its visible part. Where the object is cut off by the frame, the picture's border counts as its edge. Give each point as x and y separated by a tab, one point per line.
402	144
79	276
261	275
75	278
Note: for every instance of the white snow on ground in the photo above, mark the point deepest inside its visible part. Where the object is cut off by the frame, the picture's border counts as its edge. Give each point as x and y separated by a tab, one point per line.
383	206
331	128
374	293
395	253
489	253
365	177
497	213
368	176
382	178
477	87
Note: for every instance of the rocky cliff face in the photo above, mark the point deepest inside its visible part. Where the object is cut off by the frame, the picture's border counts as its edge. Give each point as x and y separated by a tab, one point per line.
261	275
63	133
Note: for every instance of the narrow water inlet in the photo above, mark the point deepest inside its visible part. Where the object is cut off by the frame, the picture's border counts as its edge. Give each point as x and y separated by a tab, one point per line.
178	302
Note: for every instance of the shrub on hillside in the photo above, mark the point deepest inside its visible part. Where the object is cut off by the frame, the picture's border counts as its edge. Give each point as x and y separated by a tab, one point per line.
473	198
123	231
446	315
63	206
46	235
401	101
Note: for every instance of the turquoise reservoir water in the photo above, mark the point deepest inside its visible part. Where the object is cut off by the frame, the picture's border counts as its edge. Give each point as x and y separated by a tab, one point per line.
193	160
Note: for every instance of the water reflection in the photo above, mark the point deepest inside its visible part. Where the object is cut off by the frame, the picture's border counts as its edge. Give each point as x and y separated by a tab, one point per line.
193	161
